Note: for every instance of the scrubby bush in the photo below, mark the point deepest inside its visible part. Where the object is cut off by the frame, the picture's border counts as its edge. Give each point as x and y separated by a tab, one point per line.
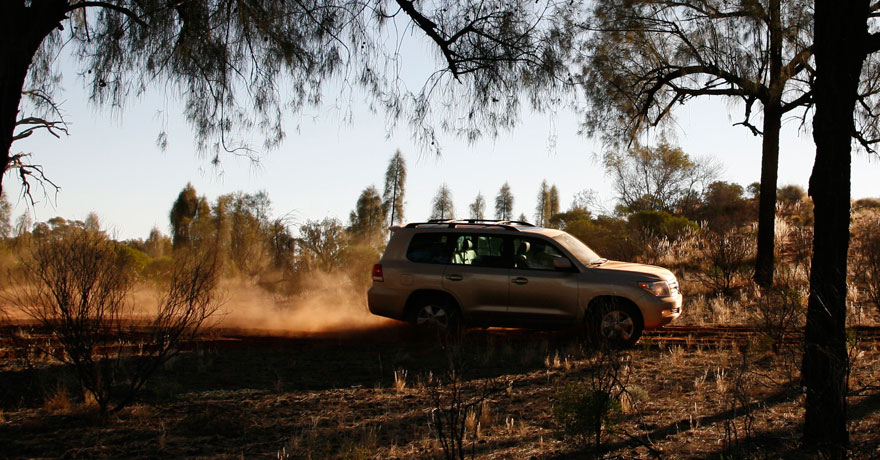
359	262
724	207
135	260
778	311
865	255
656	233
793	242
726	257
610	237
866	203
584	413
661	224
456	408
793	204
585	410
75	282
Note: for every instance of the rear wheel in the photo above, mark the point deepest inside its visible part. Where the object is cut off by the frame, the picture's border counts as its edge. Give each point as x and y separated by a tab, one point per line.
615	322
438	314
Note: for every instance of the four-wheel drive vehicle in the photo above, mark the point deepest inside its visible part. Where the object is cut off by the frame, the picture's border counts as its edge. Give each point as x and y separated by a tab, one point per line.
450	273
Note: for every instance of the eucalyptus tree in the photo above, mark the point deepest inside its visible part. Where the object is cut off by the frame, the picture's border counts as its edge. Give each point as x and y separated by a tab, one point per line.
5	217
367	221
183	211
645	58
478	207
321	245
441	205
548	203
553	201
23	225
661	178
395	188
504	203
846	57
542	207
238	65
249	227
157	244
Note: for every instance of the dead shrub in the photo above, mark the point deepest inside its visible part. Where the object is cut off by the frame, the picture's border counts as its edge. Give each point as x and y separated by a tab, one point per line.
779	311
865	257
794	244
735	388
75	283
58	402
587	410
726	255
456	412
457	409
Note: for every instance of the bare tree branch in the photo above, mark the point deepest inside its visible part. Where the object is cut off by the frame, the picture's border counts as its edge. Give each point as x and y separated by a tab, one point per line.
27	172
36	123
110	6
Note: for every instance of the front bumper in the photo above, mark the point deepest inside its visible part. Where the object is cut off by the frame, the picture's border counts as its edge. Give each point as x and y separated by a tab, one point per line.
658	312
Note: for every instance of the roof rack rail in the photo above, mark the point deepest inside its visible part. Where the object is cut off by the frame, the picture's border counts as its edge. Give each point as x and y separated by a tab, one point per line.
452	223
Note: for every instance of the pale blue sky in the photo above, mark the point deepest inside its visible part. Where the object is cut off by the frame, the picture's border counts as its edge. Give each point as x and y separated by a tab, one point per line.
110	164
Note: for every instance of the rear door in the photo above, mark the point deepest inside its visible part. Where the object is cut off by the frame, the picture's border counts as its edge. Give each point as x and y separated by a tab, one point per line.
478	276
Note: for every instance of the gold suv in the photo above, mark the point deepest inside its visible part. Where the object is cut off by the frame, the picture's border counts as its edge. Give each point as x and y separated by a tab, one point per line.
451	273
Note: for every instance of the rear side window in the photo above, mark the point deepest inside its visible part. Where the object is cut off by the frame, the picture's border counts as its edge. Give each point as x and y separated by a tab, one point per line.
479	251
430	248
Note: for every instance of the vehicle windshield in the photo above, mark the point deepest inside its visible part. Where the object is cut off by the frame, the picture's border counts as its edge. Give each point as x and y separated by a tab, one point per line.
578	249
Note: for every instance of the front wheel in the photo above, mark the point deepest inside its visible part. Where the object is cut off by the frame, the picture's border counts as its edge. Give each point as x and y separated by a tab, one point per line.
616	323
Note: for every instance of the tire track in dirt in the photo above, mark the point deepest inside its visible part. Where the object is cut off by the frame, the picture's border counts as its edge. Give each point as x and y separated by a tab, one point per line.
740	335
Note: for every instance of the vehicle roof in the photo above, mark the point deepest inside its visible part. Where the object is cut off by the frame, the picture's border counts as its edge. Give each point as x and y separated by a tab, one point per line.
483	225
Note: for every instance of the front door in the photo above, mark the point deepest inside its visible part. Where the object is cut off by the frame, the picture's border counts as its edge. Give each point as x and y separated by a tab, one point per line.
540	295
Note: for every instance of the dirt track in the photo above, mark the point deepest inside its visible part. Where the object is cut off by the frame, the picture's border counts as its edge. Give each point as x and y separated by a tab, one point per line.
393	332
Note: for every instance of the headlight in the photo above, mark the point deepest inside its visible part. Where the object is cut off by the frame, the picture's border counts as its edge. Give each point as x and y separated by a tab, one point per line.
658	288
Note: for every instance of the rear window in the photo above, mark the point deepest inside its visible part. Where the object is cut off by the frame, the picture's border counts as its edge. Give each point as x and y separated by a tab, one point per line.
430	248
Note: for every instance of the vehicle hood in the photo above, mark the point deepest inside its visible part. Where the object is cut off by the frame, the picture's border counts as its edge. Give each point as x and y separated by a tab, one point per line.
635	270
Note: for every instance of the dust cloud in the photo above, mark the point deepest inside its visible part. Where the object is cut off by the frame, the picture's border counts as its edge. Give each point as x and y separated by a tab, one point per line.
330	304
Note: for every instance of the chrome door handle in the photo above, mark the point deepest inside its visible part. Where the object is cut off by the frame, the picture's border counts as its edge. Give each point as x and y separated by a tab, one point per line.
454	277
520	280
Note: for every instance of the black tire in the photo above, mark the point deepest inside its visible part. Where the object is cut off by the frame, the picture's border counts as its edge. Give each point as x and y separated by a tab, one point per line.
615	323
437	314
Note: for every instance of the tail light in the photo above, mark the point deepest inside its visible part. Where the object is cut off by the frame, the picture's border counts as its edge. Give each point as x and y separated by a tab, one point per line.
377	273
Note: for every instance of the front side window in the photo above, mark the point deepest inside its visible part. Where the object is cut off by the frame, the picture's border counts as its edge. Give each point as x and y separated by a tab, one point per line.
479	250
534	254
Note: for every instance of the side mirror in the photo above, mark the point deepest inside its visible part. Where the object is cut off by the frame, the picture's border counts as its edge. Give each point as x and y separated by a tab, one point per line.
561	263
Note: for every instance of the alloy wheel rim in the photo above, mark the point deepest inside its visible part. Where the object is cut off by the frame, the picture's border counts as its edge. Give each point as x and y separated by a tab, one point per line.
617	324
433	315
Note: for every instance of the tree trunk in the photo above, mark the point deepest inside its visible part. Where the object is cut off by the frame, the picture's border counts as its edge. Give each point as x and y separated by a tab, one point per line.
765	259
22	30
840	37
